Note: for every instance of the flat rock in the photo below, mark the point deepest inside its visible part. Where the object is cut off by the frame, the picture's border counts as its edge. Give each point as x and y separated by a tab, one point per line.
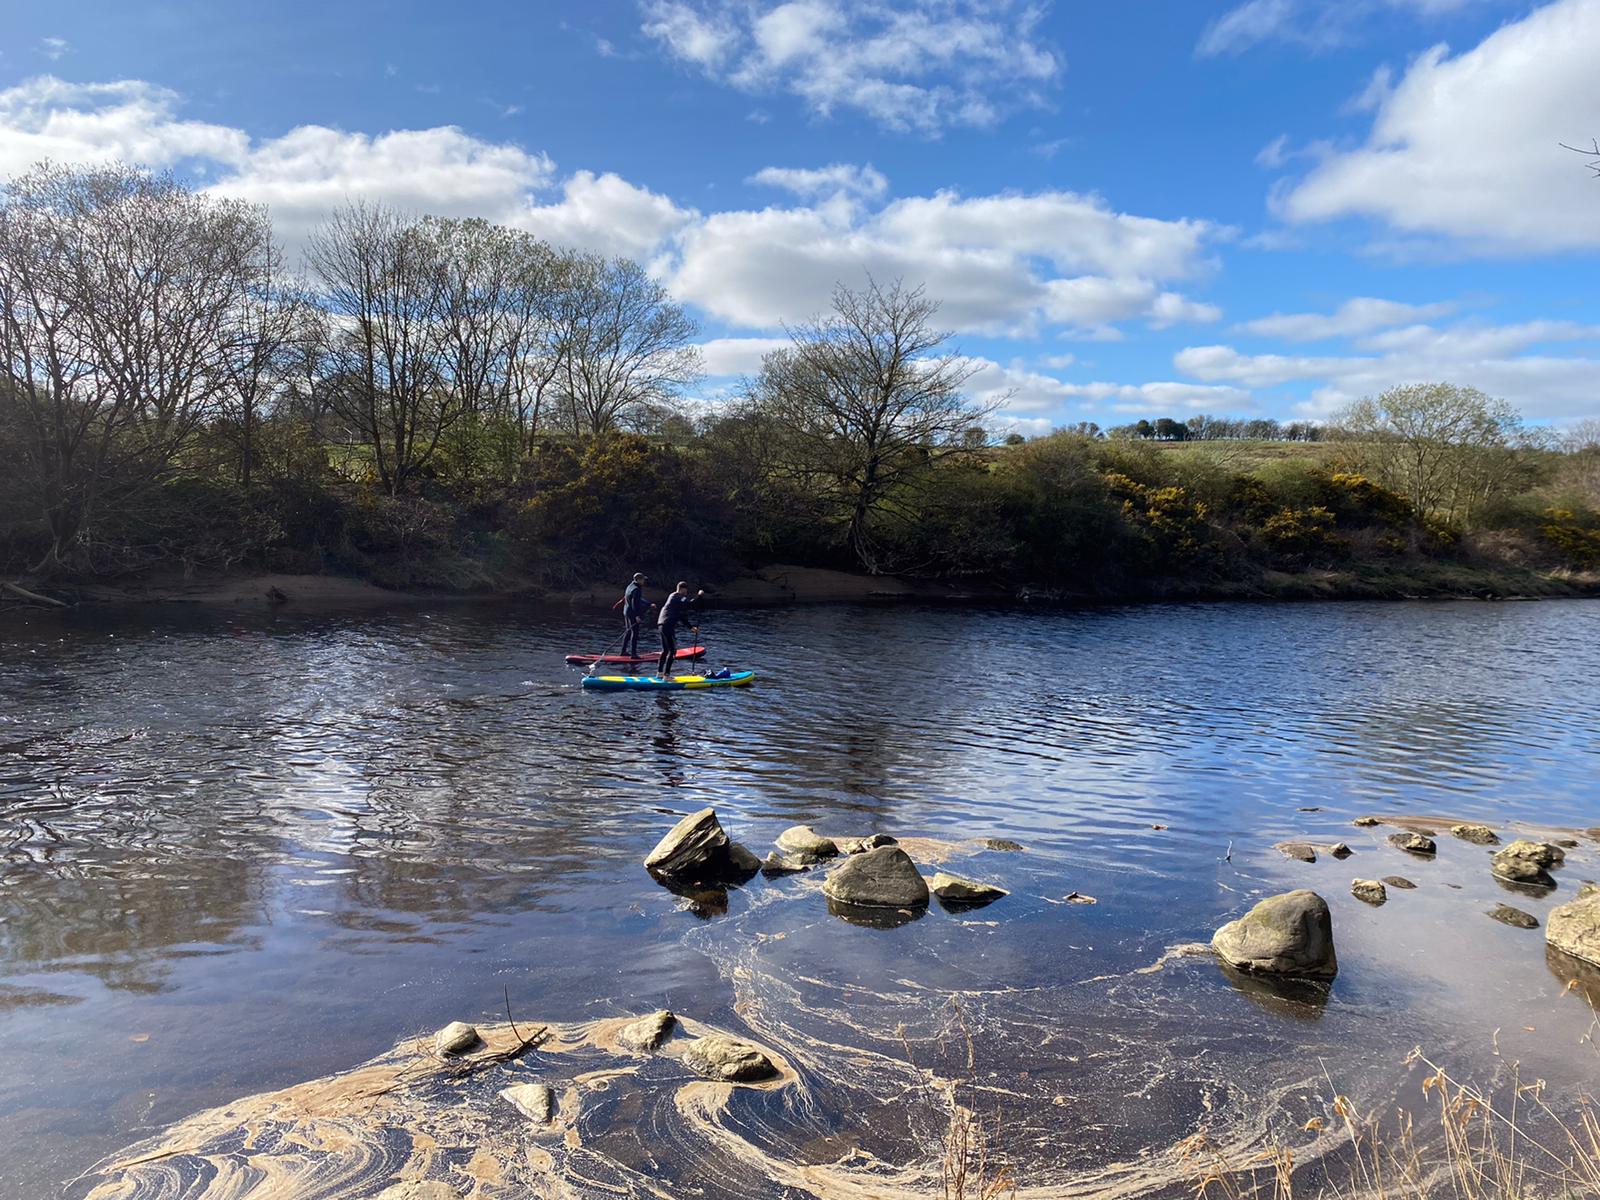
717	1056
648	1032
1414	843
806	844
535	1101
779	863
1001	844
862	844
1288	935
881	878
696	845
1303	851
455	1037
1366	822
1401	882
1574	927
953	889
1371	891
1480	835
1507	915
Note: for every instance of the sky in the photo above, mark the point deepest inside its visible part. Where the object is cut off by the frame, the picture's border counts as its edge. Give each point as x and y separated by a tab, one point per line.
1133	209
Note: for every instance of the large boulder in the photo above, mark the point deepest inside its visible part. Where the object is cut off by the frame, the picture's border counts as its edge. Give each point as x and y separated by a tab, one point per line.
717	1056
698	849
881	878
1289	935
1574	927
806	844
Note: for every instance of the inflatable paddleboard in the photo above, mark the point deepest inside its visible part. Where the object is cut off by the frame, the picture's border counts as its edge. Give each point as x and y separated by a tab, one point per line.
678	683
622	660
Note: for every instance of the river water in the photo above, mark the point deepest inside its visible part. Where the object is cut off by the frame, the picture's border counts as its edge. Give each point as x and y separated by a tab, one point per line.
239	852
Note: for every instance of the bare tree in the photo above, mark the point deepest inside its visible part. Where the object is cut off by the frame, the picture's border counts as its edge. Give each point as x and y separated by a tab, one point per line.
260	357
867	399
623	348
385	293
120	297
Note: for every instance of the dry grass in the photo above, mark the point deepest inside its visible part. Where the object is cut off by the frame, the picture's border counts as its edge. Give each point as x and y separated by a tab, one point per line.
1464	1143
970	1165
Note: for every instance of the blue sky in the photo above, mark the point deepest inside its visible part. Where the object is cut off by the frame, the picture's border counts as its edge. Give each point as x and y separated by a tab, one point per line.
1127	210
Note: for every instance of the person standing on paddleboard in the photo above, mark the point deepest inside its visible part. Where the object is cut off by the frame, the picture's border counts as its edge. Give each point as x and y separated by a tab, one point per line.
674	612
634	608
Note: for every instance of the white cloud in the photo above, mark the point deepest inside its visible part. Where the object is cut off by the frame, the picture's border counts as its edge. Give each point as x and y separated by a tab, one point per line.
1165	396
1356	316
915	65
738	356
54	48
605	213
1001	264
835	179
1544	386
1317	25
1465	147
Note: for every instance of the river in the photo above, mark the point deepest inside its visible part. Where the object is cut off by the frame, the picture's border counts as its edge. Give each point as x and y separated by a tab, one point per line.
240	851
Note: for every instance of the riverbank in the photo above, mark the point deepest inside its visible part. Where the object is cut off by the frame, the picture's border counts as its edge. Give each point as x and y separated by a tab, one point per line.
787	584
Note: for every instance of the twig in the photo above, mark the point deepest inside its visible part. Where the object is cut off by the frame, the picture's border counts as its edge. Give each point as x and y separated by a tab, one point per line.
22	593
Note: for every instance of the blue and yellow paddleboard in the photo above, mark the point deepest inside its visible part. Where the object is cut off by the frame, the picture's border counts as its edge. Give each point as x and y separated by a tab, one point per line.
678	683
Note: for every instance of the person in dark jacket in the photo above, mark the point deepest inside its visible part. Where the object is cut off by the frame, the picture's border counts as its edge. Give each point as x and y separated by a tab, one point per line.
674	612
634	609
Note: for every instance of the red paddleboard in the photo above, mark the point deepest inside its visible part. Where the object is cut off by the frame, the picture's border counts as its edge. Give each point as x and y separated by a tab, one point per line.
583	660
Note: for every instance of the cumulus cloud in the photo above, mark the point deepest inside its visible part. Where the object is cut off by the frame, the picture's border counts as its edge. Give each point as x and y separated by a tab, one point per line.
1545	386
1359	315
911	65
1465	146
835	179
738	356
605	213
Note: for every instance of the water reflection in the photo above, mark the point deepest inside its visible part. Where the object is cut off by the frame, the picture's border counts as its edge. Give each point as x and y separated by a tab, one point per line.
267	846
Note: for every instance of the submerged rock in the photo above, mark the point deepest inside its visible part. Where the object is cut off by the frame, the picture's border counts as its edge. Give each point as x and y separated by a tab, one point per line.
1001	844
1481	835
1289	935
969	893
1525	861
536	1101
1574	927
806	844
1414	843
648	1032
881	878
1371	891
1303	851
1507	915
863	844
455	1037
716	1056
1401	882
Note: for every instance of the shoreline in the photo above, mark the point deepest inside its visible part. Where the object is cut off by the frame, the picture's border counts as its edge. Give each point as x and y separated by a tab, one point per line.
782	585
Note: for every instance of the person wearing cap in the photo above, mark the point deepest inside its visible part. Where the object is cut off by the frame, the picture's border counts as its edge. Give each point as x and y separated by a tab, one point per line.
634	608
674	612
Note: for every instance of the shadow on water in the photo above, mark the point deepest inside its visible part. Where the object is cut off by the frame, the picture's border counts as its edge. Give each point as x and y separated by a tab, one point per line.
240	852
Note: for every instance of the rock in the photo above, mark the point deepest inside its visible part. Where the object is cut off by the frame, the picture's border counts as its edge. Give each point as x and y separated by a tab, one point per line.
1370	890
806	844
1401	882
1588	889
1565	844
862	845
1574	928
1340	850
1507	915
428	1189
648	1032
1001	844
1289	935
742	859
1482	835
696	845
881	878
953	889
779	863
1304	851
1366	822
455	1037
1414	843
1525	861
717	1056
533	1100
